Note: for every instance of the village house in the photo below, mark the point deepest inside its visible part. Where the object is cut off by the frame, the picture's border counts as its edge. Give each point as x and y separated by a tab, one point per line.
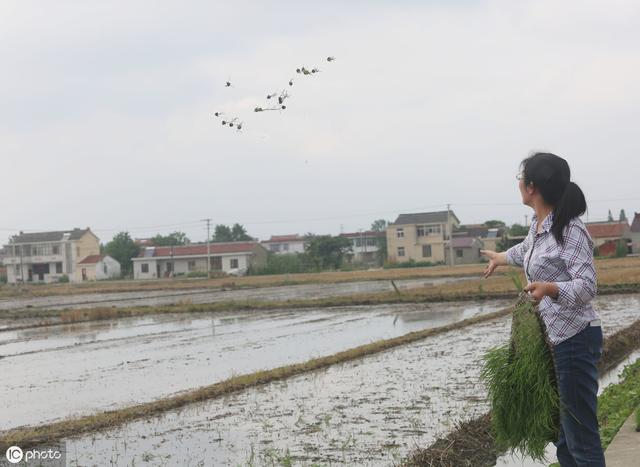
420	236
48	256
635	234
168	261
284	244
364	245
608	235
96	268
466	250
489	236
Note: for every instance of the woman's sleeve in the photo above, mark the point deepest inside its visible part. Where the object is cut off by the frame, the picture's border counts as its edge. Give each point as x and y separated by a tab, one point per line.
577	255
515	254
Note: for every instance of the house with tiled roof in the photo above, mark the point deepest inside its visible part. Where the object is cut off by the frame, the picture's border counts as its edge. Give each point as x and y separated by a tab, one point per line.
96	268
48	256
635	233
284	244
608	235
466	250
169	261
420	236
488	236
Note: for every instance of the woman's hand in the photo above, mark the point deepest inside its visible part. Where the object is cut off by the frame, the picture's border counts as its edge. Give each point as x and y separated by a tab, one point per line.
538	290
495	260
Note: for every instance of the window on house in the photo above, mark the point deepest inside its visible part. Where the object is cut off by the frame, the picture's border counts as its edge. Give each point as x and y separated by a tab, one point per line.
358	242
17	270
275	247
285	247
144	268
104	268
459	253
372	242
426	251
400	233
58	268
234	264
169	267
420	231
56	250
191	265
400	251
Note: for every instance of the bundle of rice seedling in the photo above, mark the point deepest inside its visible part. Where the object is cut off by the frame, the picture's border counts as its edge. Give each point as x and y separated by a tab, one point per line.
521	382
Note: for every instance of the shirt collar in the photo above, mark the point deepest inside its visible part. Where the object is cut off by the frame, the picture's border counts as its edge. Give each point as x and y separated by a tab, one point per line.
546	224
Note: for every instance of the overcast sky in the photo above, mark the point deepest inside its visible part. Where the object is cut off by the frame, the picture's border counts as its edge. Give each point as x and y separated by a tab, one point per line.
106	111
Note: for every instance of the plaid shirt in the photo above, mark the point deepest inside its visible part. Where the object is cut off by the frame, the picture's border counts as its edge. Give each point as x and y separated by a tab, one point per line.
570	266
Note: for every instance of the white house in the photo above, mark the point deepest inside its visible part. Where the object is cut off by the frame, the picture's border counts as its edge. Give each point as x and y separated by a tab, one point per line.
365	245
168	261
97	268
283	244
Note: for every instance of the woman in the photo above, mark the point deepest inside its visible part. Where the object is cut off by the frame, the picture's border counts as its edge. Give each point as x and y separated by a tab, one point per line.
557	256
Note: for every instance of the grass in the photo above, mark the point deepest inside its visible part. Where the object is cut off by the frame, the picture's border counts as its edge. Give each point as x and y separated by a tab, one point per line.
27	437
521	384
617	402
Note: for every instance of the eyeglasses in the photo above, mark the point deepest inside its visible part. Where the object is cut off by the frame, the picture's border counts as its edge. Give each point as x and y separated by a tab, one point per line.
520	176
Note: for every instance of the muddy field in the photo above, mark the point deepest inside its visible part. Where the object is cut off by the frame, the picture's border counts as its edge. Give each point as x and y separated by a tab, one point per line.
115	363
371	411
170	297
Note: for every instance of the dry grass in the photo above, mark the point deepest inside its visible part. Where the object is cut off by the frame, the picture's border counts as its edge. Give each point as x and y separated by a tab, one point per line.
88	314
30	290
610	281
49	433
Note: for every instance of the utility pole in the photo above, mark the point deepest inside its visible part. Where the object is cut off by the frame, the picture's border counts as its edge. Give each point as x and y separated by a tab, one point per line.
208	221
449	226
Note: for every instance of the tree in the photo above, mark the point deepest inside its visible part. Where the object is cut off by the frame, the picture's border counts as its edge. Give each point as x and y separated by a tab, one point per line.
239	233
173	239
122	248
623	216
236	233
327	252
610	216
379	225
518	230
492	224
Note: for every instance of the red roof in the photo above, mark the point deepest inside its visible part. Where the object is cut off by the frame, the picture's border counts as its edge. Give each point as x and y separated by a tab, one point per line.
198	250
92	259
607	229
635	225
285	238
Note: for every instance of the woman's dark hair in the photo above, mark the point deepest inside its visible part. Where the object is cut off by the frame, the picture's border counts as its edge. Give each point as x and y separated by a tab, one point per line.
551	175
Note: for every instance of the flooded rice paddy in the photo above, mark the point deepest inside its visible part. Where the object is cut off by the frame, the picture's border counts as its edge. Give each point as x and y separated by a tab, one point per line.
371	411
169	297
116	363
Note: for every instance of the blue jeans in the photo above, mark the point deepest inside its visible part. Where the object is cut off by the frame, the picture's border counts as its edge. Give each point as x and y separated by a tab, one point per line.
576	362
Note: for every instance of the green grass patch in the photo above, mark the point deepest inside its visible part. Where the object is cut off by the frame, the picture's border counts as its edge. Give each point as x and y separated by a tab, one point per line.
616	403
521	386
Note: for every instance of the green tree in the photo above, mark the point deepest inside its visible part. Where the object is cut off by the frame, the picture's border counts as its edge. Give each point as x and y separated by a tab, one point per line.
235	233
379	225
518	230
173	239
327	252
239	233
610	216
222	233
492	224
623	216
122	248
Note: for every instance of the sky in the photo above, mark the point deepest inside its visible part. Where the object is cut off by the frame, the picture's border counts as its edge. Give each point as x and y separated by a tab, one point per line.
106	111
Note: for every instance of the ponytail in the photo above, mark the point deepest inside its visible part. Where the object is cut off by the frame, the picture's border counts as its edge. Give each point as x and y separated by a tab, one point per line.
571	204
